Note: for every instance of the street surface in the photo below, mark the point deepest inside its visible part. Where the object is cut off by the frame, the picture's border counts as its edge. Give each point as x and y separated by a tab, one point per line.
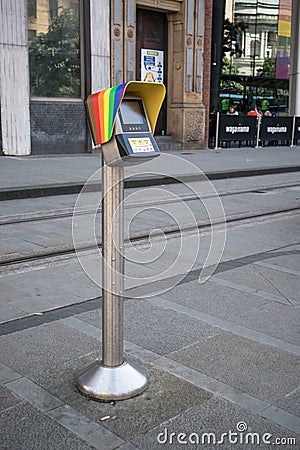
222	356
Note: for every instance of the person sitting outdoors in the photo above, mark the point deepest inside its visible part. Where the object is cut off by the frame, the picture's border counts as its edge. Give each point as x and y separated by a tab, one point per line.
253	111
267	113
232	111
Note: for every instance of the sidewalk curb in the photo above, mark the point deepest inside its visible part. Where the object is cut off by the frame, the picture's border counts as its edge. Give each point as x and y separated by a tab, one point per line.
47	190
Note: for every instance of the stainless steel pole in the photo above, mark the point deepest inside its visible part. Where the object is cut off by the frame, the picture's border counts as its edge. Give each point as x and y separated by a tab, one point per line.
293	132
259	119
112	265
112	378
217	131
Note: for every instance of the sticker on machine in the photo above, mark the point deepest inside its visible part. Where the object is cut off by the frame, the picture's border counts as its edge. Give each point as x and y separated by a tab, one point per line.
141	145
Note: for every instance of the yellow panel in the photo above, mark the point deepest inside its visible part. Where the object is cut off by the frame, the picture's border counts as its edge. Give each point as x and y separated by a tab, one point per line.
153	95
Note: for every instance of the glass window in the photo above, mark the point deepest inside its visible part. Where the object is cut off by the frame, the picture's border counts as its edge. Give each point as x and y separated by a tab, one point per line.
31	8
256	54
54	48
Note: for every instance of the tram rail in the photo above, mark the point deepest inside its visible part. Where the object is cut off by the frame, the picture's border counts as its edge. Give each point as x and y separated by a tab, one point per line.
52	255
68	212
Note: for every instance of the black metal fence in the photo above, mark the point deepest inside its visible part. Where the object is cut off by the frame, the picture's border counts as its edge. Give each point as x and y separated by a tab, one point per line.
252	131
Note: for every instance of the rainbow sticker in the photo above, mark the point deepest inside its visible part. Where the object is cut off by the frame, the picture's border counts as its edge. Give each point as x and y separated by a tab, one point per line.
102	107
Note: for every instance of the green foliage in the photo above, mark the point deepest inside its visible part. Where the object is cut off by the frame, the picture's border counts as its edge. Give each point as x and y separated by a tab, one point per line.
228	68
54	58
268	69
230	85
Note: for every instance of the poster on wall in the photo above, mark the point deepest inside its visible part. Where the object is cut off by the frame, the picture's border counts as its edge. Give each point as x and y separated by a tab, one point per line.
152	65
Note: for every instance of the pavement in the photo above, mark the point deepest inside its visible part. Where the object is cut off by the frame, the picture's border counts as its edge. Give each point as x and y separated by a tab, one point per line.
27	177
222	357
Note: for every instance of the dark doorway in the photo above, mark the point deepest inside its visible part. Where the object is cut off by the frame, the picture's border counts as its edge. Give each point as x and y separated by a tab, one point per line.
152	33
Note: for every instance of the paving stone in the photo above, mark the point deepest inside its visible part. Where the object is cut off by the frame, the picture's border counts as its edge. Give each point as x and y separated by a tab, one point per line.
286	284
34	394
259	370
83	288
215	416
256	240
44	283
91	432
255	202
34	304
274	319
291	402
93	317
220	301
34	205
37	349
24	428
11	293
9	312
7	398
249	276
279	415
16	245
128	446
165	397
157	329
7	374
289	258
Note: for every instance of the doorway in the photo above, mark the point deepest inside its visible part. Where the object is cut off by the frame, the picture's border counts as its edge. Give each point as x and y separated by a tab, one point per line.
152	34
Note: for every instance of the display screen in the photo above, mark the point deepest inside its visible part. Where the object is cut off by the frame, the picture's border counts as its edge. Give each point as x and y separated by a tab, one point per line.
131	112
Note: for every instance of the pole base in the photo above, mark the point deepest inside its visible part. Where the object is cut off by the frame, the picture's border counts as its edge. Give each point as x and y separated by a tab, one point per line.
112	383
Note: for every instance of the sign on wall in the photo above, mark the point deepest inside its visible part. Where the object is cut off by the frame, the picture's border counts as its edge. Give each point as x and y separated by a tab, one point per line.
152	65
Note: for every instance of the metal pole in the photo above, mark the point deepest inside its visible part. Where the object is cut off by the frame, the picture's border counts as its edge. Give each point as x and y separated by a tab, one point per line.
217	131
112	265
258	131
293	132
112	378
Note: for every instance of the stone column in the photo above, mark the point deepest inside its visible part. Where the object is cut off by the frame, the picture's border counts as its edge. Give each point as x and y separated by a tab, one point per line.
123	36
187	112
14	78
117	42
294	97
129	40
100	45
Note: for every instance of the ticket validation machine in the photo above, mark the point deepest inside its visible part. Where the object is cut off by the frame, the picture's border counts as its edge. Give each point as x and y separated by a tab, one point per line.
129	114
133	141
122	119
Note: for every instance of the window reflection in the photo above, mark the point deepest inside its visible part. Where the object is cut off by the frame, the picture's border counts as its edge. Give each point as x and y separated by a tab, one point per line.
54	48
256	54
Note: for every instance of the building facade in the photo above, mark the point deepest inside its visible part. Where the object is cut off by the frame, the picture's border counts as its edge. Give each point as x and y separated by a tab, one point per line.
254	59
56	52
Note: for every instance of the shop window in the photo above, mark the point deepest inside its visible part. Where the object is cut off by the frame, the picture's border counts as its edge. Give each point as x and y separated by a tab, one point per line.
54	49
